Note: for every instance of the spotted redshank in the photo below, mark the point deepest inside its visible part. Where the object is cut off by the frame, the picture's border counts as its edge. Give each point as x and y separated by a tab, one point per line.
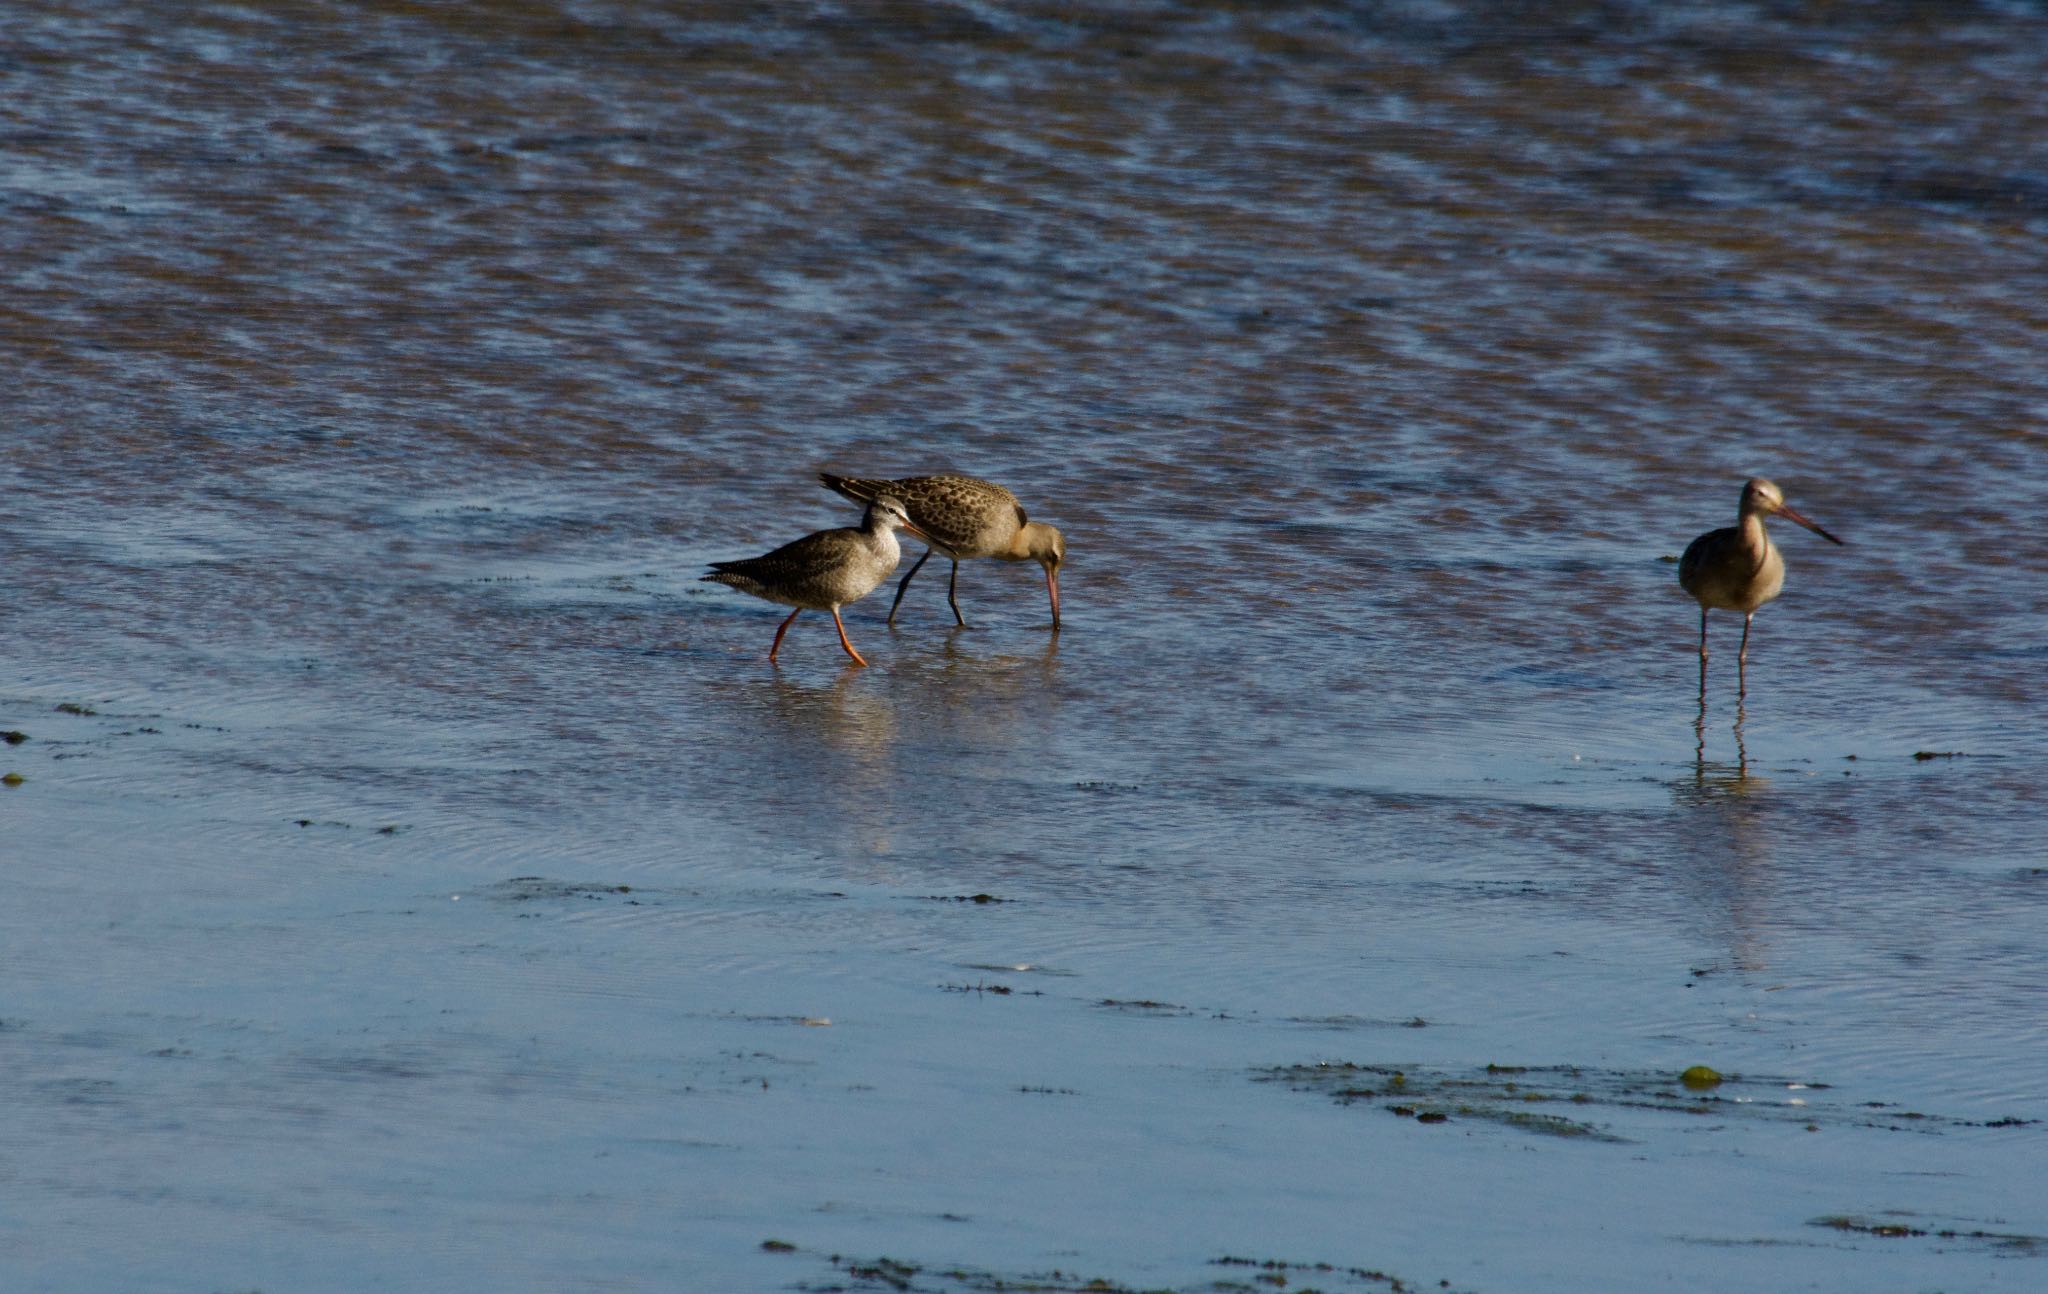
963	517
826	570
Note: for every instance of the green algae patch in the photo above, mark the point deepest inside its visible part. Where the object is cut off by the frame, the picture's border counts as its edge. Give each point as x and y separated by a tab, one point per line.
1889	1227
1497	1094
895	1274
1142	1006
535	889
1567	1101
1279	1274
1242	1273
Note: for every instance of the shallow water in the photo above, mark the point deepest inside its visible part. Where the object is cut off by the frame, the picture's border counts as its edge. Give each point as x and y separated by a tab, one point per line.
430	885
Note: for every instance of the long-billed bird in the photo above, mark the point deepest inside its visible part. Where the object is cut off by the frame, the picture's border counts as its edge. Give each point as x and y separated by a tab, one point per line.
1738	568
963	517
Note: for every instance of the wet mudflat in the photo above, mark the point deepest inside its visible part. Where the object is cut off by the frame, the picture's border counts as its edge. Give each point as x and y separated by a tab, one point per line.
413	878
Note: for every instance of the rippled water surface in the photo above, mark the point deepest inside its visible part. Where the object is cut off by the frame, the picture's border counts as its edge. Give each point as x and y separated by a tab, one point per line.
416	879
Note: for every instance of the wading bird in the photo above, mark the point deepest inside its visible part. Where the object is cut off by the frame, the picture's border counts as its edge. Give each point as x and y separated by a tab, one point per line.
826	570
963	517
1737	568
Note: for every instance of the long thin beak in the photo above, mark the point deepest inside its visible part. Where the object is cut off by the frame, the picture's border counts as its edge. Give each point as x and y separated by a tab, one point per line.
1792	516
1052	589
911	526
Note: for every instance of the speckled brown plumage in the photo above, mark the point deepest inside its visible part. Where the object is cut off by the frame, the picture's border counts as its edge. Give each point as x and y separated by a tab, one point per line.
963	517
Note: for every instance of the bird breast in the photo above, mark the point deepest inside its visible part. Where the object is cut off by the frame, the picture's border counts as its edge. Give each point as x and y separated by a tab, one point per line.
852	580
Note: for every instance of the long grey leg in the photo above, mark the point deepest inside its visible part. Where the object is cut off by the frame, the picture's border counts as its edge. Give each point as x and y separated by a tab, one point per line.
1703	661
1742	660
1699	725
906	584
953	593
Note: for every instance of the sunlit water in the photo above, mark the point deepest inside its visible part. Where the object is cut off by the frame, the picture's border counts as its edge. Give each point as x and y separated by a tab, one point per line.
431	886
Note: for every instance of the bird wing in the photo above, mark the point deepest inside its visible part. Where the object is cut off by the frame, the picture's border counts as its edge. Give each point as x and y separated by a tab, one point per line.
796	561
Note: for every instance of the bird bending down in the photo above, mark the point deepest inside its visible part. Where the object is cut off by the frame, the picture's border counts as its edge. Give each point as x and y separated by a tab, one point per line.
963	517
1737	568
824	571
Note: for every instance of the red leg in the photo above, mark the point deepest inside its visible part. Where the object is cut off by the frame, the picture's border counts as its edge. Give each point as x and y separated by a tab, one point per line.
785	629
842	638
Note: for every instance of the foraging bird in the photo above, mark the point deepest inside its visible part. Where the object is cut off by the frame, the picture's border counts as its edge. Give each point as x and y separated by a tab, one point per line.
826	570
964	517
1738	568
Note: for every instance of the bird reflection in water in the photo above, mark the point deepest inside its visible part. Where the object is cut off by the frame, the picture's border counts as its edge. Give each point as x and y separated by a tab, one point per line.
996	702
1728	840
845	766
832	752
1699	745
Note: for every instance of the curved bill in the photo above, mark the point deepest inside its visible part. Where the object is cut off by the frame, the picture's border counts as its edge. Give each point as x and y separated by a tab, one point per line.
1052	590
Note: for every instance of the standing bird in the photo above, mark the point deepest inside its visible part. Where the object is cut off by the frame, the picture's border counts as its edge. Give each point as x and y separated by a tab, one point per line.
963	517
824	571
1738	568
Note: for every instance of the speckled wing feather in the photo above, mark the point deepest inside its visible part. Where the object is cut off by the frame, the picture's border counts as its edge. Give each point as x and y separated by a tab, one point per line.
800	559
811	571
960	513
